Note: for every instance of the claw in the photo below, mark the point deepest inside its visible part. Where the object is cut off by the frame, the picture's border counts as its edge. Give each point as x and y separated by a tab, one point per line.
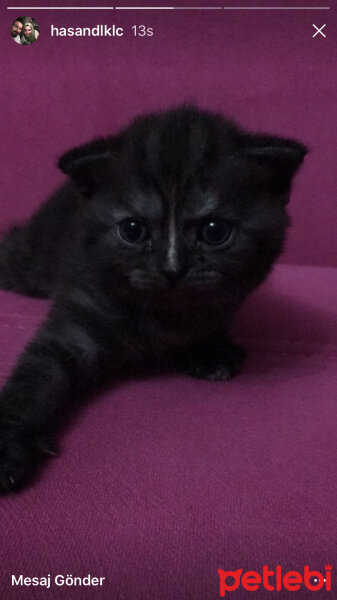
11	479
45	448
48	451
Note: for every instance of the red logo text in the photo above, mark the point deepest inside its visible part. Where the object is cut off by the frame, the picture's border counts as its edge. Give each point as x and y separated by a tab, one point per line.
275	580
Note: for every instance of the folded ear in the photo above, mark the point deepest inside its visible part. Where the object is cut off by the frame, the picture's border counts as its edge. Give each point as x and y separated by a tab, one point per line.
281	156
88	165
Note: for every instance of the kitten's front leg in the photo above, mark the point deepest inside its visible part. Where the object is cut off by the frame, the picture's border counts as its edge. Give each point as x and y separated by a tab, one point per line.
62	356
216	358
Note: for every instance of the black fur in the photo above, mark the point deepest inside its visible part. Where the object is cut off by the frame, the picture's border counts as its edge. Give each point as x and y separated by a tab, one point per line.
170	296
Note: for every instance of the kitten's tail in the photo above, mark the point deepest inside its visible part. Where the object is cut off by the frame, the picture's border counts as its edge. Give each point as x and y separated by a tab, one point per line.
22	268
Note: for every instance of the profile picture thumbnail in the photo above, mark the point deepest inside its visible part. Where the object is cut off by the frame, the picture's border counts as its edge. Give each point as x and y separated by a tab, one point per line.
25	30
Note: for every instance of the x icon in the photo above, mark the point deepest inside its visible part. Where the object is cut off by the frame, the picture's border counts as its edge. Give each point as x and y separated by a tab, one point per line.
319	30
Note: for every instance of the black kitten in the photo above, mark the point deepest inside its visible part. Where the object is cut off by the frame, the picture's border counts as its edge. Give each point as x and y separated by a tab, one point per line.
147	251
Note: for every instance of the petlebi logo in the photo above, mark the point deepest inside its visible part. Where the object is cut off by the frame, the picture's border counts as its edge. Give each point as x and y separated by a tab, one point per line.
275	580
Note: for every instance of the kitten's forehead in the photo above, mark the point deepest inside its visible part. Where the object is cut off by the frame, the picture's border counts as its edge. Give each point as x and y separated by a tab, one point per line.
184	163
174	145
171	204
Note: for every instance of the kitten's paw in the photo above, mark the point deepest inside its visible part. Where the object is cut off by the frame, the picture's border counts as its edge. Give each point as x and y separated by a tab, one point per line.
20	456
220	365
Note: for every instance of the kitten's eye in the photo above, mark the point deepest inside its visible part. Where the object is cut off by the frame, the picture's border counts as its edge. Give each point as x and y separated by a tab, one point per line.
132	231
216	232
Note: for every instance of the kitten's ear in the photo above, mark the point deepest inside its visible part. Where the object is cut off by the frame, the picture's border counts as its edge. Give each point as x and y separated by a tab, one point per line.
282	156
88	165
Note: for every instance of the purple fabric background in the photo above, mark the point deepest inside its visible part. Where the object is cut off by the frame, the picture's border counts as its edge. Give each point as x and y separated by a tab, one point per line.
162	481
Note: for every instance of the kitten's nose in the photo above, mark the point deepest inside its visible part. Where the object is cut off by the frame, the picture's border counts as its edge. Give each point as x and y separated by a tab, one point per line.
173	275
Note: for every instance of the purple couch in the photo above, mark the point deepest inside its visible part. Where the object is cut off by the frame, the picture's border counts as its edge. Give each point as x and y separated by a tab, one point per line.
164	480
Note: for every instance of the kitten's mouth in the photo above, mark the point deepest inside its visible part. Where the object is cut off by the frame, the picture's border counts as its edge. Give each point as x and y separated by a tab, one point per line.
183	286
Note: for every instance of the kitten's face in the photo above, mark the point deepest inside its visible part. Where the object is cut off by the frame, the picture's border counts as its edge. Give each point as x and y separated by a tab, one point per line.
191	238
188	205
176	242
